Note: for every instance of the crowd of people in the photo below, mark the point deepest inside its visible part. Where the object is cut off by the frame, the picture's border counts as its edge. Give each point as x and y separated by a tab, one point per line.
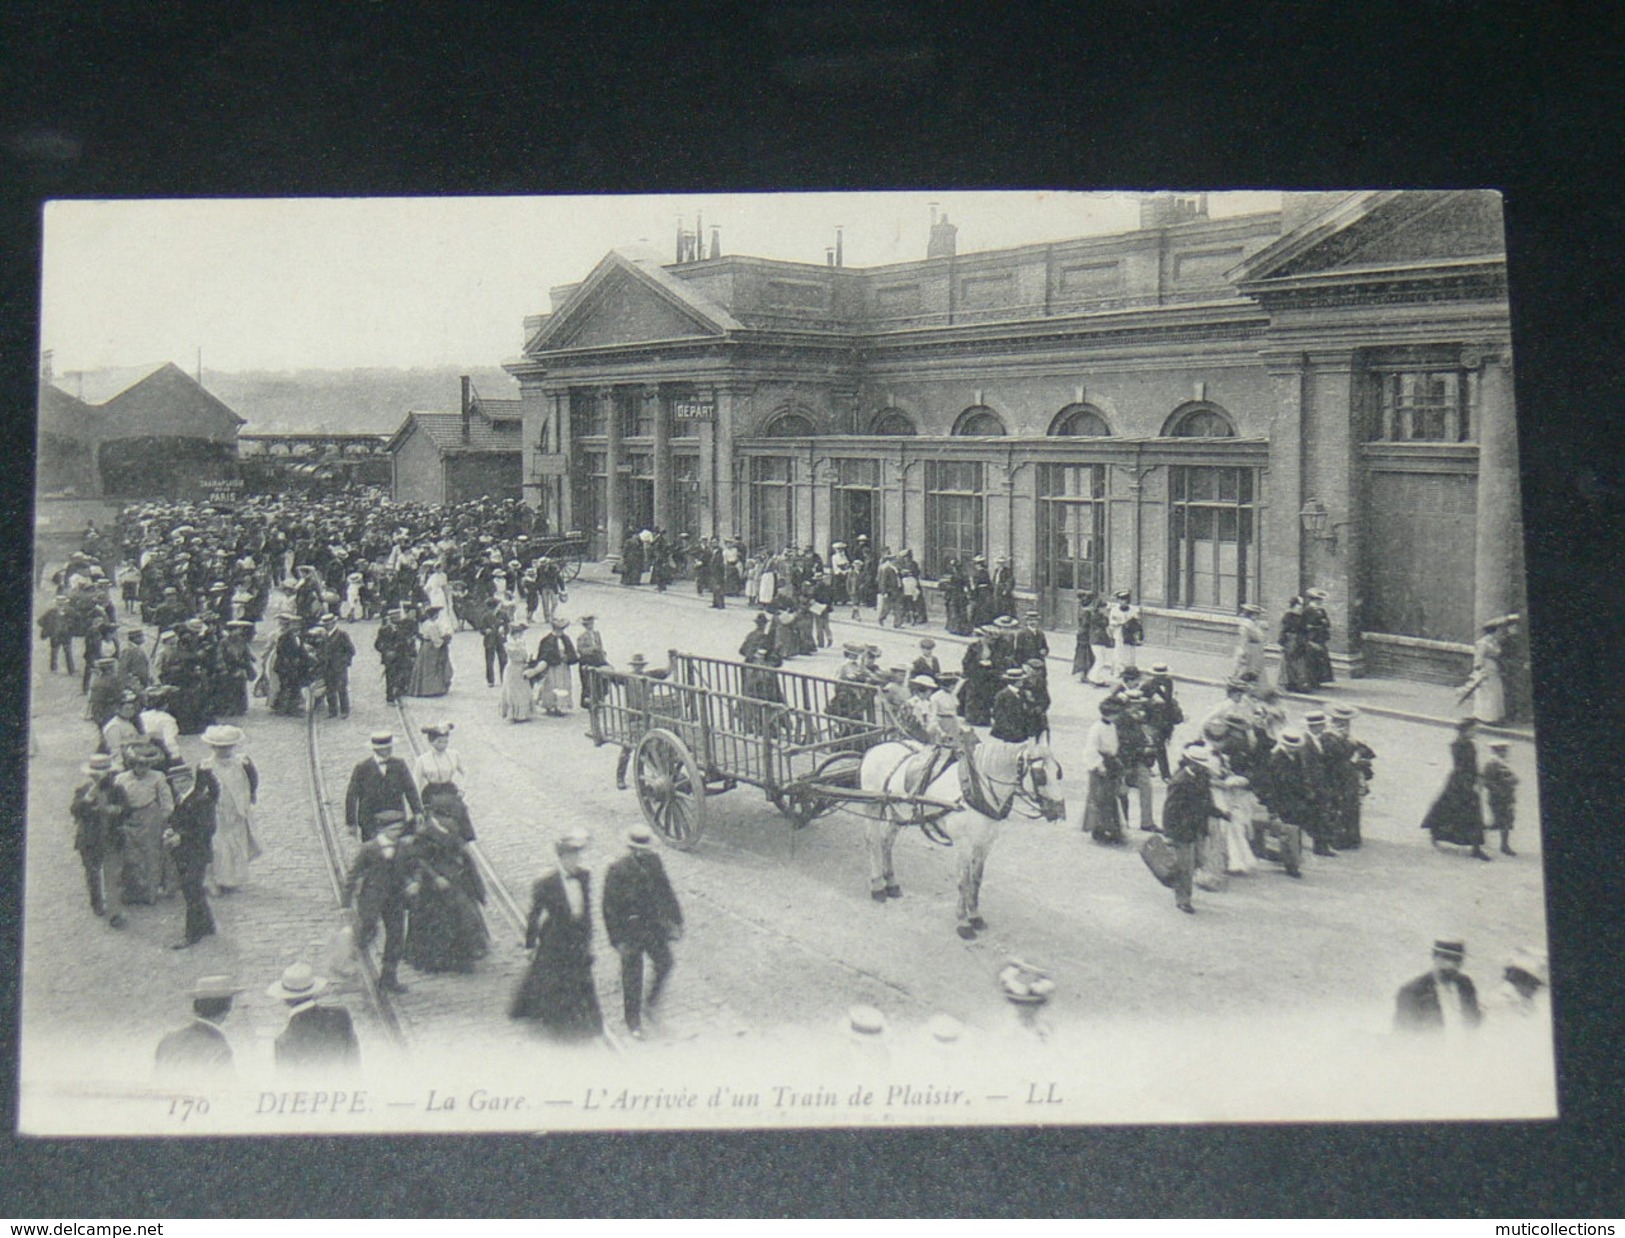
202	582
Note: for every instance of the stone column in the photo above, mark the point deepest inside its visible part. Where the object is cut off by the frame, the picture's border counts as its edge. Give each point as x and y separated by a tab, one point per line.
1330	465
729	403
614	497
1281	538
707	438
662	455
1498	557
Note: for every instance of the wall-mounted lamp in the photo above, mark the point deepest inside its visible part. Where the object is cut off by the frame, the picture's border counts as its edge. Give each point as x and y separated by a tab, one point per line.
1318	523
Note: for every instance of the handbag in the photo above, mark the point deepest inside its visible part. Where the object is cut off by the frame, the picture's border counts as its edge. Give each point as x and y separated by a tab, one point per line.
1159	857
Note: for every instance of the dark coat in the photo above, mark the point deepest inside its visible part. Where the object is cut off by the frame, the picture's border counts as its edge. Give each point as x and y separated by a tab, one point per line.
193	823
640	907
557	990
318	1038
1417	1007
336	653
373	791
1457	816
98	810
198	1048
1188	806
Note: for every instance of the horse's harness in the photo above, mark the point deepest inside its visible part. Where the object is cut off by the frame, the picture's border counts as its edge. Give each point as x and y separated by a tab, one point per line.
975	785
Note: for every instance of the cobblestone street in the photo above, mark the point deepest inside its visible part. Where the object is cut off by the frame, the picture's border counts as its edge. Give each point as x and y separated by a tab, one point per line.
781	933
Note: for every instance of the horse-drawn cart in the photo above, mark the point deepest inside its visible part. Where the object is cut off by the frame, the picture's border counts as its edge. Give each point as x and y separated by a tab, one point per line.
705	725
568	550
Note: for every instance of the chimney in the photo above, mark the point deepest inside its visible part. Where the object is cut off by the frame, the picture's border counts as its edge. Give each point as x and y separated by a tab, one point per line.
679	257
468	401
933	214
829	256
716	241
47	367
1163	210
840	258
943	237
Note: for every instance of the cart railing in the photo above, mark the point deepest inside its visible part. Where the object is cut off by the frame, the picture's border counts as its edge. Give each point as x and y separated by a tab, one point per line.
734	736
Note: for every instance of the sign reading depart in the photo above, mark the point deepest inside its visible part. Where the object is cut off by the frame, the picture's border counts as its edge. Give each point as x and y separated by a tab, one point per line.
694	410
550	466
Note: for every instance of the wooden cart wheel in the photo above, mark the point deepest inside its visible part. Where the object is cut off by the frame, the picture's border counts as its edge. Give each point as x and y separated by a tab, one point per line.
803	805
670	789
570	568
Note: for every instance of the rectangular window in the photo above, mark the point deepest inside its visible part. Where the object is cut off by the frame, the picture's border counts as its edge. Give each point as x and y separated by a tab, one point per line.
590	498
862	474
636	414
685	498
588	417
1427	406
955	513
772	503
1212	537
1072	527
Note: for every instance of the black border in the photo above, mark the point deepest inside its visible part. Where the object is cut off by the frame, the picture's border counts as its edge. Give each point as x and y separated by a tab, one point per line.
134	99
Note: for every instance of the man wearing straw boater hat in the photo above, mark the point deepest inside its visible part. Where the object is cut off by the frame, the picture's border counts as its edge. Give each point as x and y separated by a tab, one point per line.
1441	1000
382	784
317	1038
642	917
97	809
200	1048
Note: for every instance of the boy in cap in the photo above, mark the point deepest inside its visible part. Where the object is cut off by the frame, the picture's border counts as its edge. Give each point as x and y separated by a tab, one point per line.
1501	788
642	917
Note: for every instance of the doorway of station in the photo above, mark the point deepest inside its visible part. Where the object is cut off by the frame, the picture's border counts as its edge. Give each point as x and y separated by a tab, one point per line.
854	516
1071	539
640	504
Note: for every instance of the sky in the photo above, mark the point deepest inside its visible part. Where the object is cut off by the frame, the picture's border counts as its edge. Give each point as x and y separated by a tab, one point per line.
289	284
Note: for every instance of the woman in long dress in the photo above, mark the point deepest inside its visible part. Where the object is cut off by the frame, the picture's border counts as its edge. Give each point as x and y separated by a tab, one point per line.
1487	701
234	844
557	992
431	673
150	801
1101	819
439	775
446	931
1457	816
518	702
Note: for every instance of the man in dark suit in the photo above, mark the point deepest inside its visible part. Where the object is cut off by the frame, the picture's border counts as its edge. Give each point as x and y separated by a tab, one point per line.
642	916
317	1038
200	1048
380	784
1440	1000
190	839
334	656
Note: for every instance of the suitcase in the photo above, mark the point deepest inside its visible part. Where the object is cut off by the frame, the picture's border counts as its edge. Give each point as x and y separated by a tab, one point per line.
1159	857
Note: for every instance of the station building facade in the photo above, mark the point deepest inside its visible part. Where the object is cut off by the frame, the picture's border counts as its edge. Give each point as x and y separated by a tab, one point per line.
1207	412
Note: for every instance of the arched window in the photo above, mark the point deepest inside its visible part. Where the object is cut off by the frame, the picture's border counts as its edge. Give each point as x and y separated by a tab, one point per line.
894	423
1199	421
1080	421
790	425
979	421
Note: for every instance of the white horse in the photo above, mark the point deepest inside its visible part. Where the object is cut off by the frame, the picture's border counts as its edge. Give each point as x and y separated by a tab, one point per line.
1015	777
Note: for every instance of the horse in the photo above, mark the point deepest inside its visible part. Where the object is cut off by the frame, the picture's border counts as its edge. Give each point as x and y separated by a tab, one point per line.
1011	774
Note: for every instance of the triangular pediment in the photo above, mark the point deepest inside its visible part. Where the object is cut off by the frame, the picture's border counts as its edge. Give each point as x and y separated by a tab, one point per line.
1383	230
628	300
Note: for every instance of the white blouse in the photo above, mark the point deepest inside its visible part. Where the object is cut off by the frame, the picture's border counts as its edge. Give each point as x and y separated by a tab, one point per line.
435	766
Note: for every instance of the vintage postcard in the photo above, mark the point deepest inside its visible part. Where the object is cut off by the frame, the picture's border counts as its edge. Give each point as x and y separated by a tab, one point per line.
779	660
